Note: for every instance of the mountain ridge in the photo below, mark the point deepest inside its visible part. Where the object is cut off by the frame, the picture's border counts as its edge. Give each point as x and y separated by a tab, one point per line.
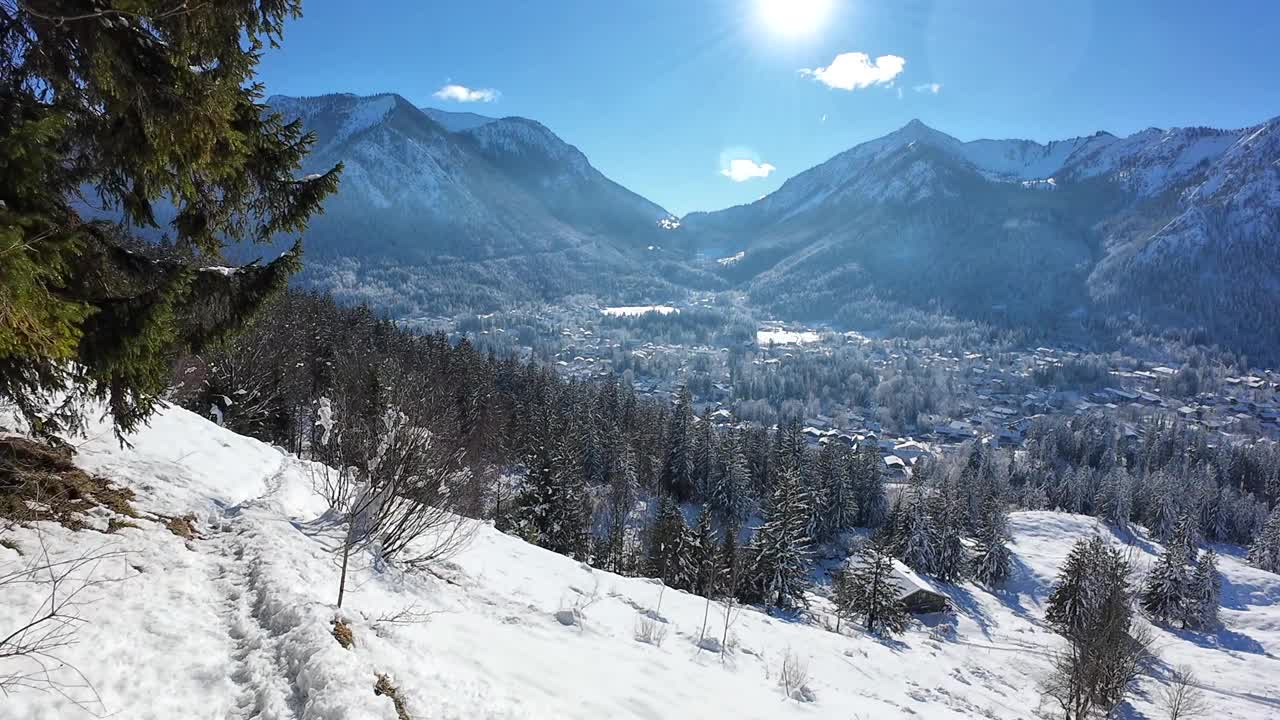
1128	224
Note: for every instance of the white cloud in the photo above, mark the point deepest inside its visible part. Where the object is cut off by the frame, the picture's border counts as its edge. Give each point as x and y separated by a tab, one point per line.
462	93
855	70
744	169
931	88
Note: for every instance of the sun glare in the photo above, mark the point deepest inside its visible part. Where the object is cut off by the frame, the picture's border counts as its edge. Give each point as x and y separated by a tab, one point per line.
793	18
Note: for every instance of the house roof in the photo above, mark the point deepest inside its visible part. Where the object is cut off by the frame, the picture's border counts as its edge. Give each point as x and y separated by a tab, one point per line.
909	582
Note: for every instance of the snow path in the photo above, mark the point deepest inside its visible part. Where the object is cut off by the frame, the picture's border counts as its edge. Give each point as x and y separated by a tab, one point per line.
266	692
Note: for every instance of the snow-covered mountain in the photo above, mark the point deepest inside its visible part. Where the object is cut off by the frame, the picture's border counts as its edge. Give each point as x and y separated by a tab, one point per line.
425	191
1126	222
457	121
236	620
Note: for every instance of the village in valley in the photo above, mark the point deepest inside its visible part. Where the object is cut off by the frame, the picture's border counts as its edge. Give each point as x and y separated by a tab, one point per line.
994	397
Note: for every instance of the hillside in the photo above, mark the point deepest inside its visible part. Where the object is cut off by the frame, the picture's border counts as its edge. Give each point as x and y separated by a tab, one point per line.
236	621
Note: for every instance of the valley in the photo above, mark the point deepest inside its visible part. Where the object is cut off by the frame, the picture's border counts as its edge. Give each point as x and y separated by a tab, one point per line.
1077	241
748	359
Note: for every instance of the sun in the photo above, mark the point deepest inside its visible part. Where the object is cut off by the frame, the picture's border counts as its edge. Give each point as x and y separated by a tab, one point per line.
793	18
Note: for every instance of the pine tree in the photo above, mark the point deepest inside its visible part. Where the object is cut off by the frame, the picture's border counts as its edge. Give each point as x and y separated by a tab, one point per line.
1264	553
731	486
892	534
1117	498
870	497
836	508
620	502
569	514
1069	603
991	555
677	468
873	592
1203	595
916	537
1163	513
704	556
729	562
780	568
950	558
703	461
669	551
843	595
1166	594
150	107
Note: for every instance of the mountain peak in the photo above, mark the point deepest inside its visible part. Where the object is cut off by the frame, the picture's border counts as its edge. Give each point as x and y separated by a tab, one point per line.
916	131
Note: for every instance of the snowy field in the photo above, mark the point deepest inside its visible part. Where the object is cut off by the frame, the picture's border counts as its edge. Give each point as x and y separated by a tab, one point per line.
778	336
236	622
638	310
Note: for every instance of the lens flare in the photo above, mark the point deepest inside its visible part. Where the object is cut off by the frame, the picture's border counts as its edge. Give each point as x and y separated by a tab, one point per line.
793	18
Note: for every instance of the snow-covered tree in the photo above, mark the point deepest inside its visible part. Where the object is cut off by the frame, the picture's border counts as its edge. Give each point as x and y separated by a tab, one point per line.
730	492
704	555
991	559
916	539
1069	603
872	593
1166	593
1116	501
950	557
677	467
669	551
835	507
1264	554
619	506
703	460
780	549
1204	593
868	483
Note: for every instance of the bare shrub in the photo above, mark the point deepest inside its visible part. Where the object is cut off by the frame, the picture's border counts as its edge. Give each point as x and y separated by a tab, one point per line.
650	631
1182	698
793	677
393	473
31	654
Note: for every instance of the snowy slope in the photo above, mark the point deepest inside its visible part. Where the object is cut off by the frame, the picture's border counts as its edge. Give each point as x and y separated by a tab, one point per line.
457	121
236	623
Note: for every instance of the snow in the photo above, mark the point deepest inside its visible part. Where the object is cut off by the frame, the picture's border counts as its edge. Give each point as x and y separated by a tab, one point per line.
236	623
778	336
638	310
457	121
732	259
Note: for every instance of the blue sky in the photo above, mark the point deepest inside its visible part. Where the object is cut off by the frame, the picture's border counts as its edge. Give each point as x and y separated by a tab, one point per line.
664	95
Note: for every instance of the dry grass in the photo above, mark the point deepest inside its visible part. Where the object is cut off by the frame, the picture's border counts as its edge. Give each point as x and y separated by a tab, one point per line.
115	525
384	687
39	482
184	527
342	633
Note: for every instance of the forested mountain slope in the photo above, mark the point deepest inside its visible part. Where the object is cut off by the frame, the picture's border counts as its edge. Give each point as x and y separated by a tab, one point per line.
1170	228
439	209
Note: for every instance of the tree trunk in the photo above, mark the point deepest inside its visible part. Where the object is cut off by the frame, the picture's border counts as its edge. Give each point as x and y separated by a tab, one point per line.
346	553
